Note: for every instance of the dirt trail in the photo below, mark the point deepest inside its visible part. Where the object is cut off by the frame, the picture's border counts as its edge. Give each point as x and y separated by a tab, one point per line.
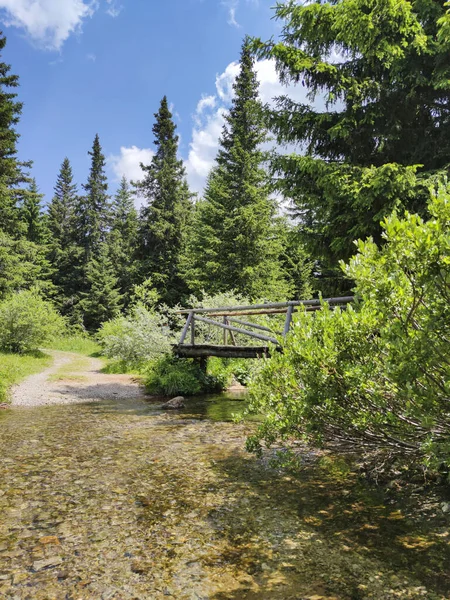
73	378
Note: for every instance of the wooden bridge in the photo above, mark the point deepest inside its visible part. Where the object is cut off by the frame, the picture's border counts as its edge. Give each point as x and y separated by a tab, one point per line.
229	319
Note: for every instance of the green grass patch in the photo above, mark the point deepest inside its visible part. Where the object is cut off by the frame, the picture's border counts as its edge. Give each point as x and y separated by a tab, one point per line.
15	367
75	343
120	367
71	370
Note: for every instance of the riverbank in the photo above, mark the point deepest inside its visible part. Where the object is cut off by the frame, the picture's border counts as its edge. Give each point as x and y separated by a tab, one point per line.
73	378
15	367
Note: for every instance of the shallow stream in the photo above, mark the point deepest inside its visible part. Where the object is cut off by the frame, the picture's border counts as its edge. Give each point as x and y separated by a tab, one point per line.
120	500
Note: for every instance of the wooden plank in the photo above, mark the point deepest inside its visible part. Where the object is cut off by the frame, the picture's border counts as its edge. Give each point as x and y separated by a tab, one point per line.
225	332
193	329
248	324
186	327
287	324
269	305
251	334
273	311
203	351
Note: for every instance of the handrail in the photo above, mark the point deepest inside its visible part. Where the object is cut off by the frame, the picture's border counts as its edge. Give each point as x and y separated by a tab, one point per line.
268	308
268	305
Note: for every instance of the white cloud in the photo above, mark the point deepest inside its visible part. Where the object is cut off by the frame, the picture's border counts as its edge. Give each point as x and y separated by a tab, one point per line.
203	148
204	103
209	116
128	162
47	22
114	9
232	17
225	81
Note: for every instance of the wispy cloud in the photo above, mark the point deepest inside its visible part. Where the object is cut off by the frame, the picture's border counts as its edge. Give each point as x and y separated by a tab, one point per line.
91	57
114	8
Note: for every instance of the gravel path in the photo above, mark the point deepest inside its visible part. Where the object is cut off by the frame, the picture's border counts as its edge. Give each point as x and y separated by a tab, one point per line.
82	383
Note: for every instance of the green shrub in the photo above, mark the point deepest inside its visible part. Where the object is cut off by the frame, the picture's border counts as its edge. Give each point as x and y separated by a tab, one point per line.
376	376
137	338
169	376
27	321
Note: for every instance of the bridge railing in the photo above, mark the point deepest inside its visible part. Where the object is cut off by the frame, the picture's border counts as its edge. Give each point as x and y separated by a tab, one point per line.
228	321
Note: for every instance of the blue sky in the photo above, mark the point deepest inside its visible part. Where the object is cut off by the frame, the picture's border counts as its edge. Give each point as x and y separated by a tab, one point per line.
103	67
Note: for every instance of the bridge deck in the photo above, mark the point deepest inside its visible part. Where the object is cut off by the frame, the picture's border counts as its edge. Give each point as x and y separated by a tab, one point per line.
205	350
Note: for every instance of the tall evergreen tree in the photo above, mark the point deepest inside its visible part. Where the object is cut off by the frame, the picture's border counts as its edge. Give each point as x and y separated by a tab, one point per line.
61	211
383	70
234	245
102	299
11	169
166	212
32	215
64	253
93	209
123	239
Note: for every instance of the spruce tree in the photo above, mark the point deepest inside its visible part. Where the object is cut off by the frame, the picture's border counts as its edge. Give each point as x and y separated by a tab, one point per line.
383	132
234	246
11	170
123	239
93	209
102	300
61	212
65	254
31	212
166	211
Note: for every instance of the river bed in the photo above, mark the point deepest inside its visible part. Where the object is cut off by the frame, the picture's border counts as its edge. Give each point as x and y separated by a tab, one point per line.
121	500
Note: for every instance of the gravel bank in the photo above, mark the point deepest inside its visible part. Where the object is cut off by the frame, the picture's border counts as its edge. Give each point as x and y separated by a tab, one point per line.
87	384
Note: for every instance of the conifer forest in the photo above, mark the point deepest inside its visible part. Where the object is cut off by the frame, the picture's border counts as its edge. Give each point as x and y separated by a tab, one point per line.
344	195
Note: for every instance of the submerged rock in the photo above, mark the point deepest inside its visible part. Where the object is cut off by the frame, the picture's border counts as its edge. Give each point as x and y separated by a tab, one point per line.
54	561
177	402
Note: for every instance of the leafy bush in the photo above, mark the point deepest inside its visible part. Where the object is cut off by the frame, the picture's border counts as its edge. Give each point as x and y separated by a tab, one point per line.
169	376
378	374
137	338
27	322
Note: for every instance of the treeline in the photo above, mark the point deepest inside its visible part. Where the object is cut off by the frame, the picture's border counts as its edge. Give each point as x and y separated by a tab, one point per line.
373	137
87	252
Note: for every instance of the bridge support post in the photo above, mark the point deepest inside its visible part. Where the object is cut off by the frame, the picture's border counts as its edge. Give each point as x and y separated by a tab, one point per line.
202	362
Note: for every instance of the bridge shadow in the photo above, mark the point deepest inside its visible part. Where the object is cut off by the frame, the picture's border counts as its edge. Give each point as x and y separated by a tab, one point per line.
334	535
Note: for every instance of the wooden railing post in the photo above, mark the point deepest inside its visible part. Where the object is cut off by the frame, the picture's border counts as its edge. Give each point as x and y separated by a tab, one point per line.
287	324
193	329
225	332
186	327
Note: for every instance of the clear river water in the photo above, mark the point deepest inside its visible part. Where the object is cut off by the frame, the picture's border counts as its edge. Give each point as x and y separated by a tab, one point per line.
121	500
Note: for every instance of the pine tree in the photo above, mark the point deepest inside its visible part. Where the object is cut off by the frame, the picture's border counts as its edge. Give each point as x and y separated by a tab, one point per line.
234	245
165	215
93	209
61	212
64	253
385	130
123	239
11	170
31	212
102	299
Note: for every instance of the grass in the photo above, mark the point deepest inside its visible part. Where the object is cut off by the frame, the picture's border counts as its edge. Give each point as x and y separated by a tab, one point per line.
70	371
75	343
15	367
